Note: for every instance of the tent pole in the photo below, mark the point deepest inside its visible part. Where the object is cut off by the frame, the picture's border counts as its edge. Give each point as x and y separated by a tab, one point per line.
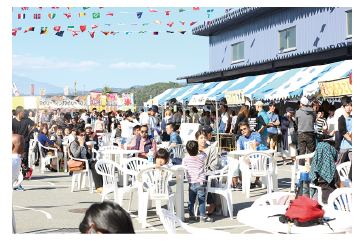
219	144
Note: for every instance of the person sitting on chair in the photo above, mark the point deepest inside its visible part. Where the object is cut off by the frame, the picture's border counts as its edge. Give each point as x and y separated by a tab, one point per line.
174	140
144	143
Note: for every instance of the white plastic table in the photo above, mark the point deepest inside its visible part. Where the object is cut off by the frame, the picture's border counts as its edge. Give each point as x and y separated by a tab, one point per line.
244	166
257	217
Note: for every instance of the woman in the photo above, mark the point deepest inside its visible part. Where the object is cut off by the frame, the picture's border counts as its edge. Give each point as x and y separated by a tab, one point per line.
211	164
31	115
323	171
99	124
78	149
195	115
288	128
188	118
43	139
106	217
110	121
165	121
242	114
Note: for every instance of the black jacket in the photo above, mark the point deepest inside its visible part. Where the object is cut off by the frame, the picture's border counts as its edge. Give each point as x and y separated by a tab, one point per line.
342	131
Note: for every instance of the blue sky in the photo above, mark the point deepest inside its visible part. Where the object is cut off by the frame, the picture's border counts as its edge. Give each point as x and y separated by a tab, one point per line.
119	61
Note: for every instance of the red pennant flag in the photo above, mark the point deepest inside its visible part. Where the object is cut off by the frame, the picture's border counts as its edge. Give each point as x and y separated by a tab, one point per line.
350	77
106	33
170	24
166	12
57	28
101	7
82	28
195	8
54	7
14	32
91	33
75	33
193	23
68	15
94	26
109	14
25	31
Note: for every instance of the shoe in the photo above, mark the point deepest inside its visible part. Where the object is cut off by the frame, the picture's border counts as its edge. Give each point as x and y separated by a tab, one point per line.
20	188
192	219
100	190
47	166
208	213
70	173
30	172
237	186
284	163
37	163
53	170
258	183
206	219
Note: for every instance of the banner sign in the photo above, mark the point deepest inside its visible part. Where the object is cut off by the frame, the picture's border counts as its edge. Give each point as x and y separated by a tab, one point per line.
75	102
127	99
63	102
235	97
336	88
15	89
66	90
32	90
198	100
42	91
52	102
95	100
111	101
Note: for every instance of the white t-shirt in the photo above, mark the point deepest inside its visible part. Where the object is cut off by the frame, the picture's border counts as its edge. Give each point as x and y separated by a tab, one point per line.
16	162
127	127
331	123
224	117
195	118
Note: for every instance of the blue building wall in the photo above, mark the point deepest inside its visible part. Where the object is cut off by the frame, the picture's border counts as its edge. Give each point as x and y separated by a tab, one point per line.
315	27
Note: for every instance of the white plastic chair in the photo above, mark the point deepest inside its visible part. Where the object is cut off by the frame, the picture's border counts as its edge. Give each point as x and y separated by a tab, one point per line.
180	151
168	219
224	189
81	174
271	198
106	168
341	197
295	168
158	190
223	161
343	170
47	159
215	144
32	149
259	168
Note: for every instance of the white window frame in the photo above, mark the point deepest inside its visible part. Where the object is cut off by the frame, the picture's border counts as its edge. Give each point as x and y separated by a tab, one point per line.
238	60
279	41
348	35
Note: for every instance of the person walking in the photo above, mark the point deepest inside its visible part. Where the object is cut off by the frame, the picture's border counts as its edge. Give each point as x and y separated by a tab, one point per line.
263	114
272	125
289	129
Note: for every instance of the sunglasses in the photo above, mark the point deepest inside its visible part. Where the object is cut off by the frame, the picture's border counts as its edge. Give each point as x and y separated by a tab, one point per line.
81	135
143	132
243	129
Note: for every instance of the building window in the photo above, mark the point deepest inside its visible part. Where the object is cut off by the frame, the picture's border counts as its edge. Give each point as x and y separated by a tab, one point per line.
287	39
237	52
349	23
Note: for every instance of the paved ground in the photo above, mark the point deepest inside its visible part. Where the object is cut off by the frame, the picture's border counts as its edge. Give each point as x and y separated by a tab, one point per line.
48	206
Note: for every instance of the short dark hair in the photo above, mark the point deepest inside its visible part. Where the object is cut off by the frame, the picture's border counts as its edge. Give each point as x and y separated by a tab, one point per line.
99	115
106	217
346	101
79	131
225	106
214	112
194	109
331	108
162	153
272	103
192	148
19	109
243	123
200	132
142	110
233	113
128	114
137	127
172	125
66	128
180	111
187	112
94	108
144	126
320	110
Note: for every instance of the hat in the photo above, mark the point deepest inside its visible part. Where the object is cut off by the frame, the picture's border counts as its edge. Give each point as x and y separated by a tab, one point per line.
272	103
207	129
290	109
259	103
155	108
88	125
61	113
304	101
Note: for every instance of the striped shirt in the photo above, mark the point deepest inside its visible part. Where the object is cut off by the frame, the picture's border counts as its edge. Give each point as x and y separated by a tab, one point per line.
321	122
195	166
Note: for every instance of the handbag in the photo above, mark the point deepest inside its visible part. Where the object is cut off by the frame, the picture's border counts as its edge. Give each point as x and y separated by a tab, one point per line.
74	165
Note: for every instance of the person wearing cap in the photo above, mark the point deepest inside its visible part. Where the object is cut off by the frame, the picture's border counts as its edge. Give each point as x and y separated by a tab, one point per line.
305	120
272	124
153	121
263	114
91	136
289	128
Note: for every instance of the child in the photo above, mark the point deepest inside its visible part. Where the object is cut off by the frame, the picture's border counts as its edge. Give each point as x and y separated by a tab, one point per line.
197	180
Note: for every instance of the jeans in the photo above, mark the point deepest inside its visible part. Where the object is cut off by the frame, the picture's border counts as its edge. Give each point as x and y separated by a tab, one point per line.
26	155
264	139
194	190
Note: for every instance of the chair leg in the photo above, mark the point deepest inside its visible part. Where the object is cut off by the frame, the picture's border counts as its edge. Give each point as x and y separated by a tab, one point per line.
145	210
275	182
248	184
90	181
224	206
158	205
120	197
42	166
229	204
130	201
83	180
72	182
293	179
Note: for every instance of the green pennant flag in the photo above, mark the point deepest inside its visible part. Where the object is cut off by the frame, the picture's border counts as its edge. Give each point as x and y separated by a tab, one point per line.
144	24
85	8
181	10
142	31
96	15
51	15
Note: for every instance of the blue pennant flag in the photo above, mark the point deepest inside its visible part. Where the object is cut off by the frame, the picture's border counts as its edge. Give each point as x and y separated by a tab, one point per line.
139	14
60	33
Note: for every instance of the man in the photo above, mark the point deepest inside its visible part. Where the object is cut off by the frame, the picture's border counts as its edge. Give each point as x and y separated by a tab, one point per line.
85	117
67	116
326	106
136	132
206	120
344	144
144	118
305	120
338	113
263	114
72	123
20	126
177	119
331	121
91	136
144	143
105	118
61	121
188	119
53	116
195	115
153	121
272	125
18	143
58	139
53	129
174	139
93	117
224	119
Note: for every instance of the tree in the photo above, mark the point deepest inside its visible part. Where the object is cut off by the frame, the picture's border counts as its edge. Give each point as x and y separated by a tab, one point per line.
106	89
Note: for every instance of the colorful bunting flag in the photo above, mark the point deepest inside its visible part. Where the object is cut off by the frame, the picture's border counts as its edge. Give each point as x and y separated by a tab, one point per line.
82	14
24	8
167	12
128	33
54	7
101	7
139	14
121	24
42	91
44	30
145	24
85	8
181	10
96	15
60	33
21	16
157	22
82	28
14	31
109	14
31	28
133	24
153	10
40	8
75	33
209	11
228	9
25	31
182	22
37	16
155	33
57	28
195	8
142	31
70	7
170	24
113	32
68	15
206	22
170	32
51	15
107	24
182	32
70	28
94	26
19	28
91	33
106	33
193	23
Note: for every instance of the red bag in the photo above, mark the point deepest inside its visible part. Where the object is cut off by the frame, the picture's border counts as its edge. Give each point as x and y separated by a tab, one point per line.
304	209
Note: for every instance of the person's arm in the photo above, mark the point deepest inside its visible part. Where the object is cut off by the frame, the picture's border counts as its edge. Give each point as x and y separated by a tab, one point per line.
258	139
154	147
75	150
342	126
131	146
213	159
277	122
264	125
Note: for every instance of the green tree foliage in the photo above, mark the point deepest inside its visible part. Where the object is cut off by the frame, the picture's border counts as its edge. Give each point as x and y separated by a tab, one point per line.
106	89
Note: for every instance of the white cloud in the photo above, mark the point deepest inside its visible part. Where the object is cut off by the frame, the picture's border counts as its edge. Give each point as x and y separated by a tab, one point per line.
42	63
142	65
